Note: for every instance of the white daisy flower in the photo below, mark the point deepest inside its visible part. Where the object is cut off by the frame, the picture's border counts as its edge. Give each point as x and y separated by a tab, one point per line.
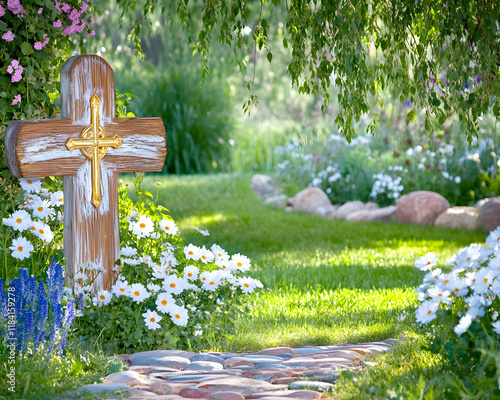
426	312
432	275
458	287
439	294
496	327
179	315
168	226
191	272
148	260
426	262
247	284
463	324
132	261
169	262
225	264
138	292
31	184
143	227
198	333
192	252
469	257
154	287
219	252
57	198
120	288
164	302
173	284
168	252
203	232
483	280
151	318
43	231
160	271
41	208
44	193
30	198
103	297
241	262
128	251
21	248
81	278
211	281
493	239
206	256
20	220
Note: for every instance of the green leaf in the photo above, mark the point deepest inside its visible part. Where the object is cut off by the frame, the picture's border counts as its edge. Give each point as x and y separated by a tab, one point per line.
269	56
26	48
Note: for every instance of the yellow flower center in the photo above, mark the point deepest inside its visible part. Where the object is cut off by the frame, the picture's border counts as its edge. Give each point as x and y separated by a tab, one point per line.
172	285
137	293
246	284
446	280
142	225
152	319
102	297
164	302
61	199
204	257
429	312
40	208
485	280
167	228
19	220
20	248
190	253
457	289
239	264
190	274
122	289
41	231
30	181
177	316
212	283
80	279
33	228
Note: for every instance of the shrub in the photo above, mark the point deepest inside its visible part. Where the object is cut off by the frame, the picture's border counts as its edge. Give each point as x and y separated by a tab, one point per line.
461	308
197	118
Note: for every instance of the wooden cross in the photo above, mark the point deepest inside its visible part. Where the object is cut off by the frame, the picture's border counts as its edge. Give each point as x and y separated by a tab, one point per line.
40	148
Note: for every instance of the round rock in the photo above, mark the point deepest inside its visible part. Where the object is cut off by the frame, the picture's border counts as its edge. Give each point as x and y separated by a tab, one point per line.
309	200
204	366
459	218
207	357
490	214
169	362
420	207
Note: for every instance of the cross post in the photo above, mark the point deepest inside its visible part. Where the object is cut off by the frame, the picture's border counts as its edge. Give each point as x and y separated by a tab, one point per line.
39	148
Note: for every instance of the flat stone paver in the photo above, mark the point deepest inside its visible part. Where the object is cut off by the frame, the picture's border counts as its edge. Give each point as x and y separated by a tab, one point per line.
278	373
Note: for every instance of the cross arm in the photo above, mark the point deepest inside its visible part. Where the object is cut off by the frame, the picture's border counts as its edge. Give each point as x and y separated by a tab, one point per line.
37	148
143	146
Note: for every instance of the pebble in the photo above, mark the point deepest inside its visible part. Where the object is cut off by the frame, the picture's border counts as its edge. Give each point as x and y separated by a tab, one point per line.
278	373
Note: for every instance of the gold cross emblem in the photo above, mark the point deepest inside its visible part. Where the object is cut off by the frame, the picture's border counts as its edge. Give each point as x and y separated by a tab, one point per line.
93	144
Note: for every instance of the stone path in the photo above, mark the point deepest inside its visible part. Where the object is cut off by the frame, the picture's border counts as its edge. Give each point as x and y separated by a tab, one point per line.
272	374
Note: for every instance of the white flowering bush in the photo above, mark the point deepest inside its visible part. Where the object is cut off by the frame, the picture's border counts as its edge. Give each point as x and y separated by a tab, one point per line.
461	307
32	234
167	294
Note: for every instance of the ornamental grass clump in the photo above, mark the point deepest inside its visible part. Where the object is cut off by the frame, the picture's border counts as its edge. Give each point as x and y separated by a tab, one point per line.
36	316
461	308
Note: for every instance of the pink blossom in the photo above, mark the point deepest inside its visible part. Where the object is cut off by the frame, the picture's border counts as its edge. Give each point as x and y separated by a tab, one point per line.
84	8
66	7
15	7
8	36
10	70
58	8
38	46
18	75
92	21
91	33
15	64
2	11
57	24
40	10
16	100
74	15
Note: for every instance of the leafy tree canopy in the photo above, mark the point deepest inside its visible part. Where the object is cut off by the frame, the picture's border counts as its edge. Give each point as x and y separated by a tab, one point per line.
441	57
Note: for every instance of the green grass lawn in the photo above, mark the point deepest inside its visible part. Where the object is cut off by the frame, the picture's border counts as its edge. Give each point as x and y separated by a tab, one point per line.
326	282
